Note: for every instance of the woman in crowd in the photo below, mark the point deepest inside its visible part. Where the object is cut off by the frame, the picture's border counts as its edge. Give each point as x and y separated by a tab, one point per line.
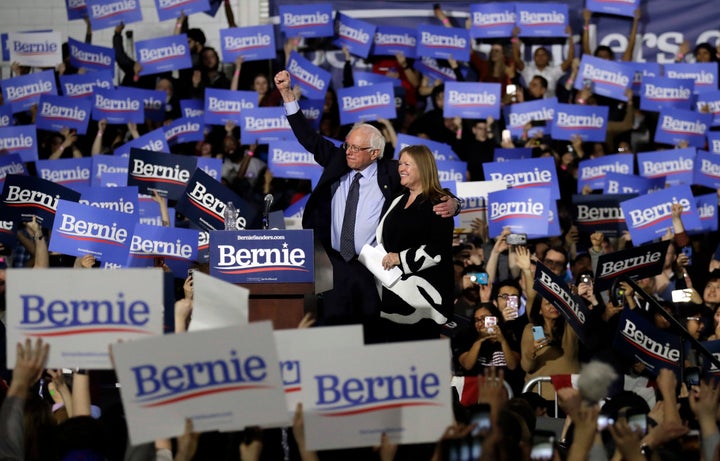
488	346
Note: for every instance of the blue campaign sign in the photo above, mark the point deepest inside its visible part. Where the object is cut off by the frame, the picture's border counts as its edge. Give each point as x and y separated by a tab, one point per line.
312	109
8	232
638	338
107	164
273	256
617	7
609	78
113	180
83	85
76	9
192	107
105	14
222	106
153	141
355	34
440	151
312	80
214	7
24	91
91	57
451	170
253	43
588	122
10	164
642	70
676	165
443	42
571	306
542	19
708	369
307	20
707	206
705	74
149	212
675	125
118	106
361	103
264	124
472	100
530	173
649	216
433	70
149	242
57	112
525	211
709	102
121	199
172	9
185	130
28	196
553	223
204	201
592	172
21	140
371	78
289	159
519	114
69	172
154	102
518	153
714	141
6	116
391	40
211	166
297	209
82	229
707	170
600	213
631	184
163	54
657	93
490	20
168	174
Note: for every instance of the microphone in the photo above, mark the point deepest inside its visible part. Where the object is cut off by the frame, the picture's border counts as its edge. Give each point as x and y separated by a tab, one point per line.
268	203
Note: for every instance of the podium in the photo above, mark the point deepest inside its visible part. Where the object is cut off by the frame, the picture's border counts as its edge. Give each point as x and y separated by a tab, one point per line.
283	303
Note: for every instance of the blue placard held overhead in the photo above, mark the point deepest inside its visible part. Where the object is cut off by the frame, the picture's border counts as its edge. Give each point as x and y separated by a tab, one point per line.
361	103
76	9
307	20
519	114
707	170
163	54
92	57
592	172
121	199
253	43
172	9
107	164
312	80
472	100
490	20
118	106
26	196
705	74
83	85
676	166
355	34
443	42
631	184
675	125
10	164
617	7
185	130
289	159
264	124
153	141
608	78
21	140
68	172
525	211
222	106
521	174
105	14
149	242
390	40
24	91
167	174
657	93
707	206
709	101
588	122
57	112
542	19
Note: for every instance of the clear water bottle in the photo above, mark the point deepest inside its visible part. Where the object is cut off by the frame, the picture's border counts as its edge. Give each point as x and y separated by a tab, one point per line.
230	215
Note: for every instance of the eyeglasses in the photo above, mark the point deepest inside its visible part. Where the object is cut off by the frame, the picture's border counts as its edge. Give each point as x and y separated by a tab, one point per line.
480	319
553	263
697	319
505	296
353	148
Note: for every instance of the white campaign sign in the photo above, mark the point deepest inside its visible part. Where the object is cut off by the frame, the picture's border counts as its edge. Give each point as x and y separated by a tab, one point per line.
221	379
80	312
473	207
217	303
352	396
37	49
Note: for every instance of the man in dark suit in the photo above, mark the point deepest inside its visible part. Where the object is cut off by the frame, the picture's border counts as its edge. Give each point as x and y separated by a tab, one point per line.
354	297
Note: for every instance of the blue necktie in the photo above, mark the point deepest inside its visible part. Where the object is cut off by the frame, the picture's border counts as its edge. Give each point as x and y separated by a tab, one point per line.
347	233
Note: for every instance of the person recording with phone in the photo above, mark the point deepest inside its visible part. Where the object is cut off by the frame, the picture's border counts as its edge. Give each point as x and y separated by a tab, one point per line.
487	345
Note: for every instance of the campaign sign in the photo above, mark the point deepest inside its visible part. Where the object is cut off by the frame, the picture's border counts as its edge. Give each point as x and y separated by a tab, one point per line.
83	85
154	102
707	206
471	100
525	211
714	141
121	199
649	216
600	213
204	199
643	70
592	172
631	184
530	173
639	338
107	164
542	19
211	166
617	7
396	389
312	80
11	164
637	262
443	42
371	78
222	106
355	34
490	20
150	241
172	9
253	43
76	9
360	103
214	7
307	20
149	212
518	153
440	151
657	93
153	141
571	306
289	159
118	106
391	40
474	199
113	180
451	170
185	130
708	369
264	124
21	140
36	49
675	125
6	116
705	74
192	107
222	379
57	112
707	170
519	114
588	122
24	91
116	305
312	109
69	172
168	174
676	165
709	102
8	232
28	196
609	78
163	54
258	256
105	14
91	57
433	70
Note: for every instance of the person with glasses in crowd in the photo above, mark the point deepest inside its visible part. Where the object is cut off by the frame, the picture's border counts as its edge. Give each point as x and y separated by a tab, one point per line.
356	178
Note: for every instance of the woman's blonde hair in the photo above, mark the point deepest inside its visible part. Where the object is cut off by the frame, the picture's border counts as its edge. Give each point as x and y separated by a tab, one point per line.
425	161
